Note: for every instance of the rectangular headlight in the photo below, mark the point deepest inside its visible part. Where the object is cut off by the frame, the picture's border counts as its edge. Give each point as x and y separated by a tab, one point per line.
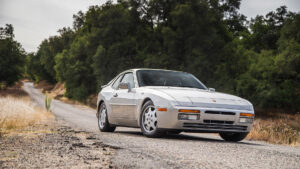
246	120
183	116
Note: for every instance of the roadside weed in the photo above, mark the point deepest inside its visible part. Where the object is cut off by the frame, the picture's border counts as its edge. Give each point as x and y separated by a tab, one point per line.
48	100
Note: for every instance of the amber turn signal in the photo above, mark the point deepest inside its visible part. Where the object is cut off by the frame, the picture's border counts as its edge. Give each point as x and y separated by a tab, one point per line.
162	109
188	111
247	114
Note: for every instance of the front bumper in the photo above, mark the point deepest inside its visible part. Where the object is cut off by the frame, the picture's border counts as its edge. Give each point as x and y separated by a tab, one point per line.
213	120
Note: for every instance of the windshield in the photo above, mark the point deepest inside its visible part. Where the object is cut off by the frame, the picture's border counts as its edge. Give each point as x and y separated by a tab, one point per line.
168	78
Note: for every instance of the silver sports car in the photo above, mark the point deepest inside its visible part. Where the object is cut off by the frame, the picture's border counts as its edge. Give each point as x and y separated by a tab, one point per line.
163	101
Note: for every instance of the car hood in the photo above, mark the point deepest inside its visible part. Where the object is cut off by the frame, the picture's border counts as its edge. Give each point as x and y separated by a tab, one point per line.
205	98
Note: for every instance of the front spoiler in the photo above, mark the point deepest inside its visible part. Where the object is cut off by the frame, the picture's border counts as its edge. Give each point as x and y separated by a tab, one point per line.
169	120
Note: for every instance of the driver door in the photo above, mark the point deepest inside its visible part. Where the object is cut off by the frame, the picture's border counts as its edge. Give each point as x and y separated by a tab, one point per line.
123	102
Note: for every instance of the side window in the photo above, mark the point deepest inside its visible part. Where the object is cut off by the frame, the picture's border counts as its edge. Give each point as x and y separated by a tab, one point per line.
117	82
128	78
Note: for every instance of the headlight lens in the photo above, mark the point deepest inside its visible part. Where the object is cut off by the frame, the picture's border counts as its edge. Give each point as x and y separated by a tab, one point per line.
246	120
183	116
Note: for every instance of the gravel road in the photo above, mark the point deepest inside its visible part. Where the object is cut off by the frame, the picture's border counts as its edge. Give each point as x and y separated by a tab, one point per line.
51	144
187	150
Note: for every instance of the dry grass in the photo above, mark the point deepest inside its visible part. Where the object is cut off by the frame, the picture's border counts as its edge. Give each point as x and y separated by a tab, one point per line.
44	86
19	113
277	128
14	91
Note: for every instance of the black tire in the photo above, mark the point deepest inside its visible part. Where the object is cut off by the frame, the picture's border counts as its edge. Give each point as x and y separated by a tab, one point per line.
105	127
233	137
156	132
174	132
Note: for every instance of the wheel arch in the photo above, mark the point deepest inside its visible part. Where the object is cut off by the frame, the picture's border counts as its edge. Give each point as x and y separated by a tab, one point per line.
141	107
98	107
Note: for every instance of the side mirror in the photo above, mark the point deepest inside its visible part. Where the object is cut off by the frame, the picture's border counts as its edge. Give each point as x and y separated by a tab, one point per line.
212	89
125	86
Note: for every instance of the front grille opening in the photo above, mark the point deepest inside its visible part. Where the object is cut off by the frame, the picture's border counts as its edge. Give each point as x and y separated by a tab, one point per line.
217	122
220	112
211	126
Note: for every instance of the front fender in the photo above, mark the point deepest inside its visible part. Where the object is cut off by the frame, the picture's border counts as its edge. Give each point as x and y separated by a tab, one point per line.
163	101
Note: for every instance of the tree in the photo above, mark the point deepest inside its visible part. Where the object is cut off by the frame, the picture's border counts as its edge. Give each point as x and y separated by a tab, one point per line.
257	60
273	80
50	47
78	20
12	57
193	37
266	30
74	66
33	68
7	32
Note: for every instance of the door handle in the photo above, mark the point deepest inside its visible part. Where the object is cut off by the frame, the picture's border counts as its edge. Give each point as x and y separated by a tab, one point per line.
115	95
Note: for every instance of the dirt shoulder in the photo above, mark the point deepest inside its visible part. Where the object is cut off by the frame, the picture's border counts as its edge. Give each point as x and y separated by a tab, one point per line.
53	144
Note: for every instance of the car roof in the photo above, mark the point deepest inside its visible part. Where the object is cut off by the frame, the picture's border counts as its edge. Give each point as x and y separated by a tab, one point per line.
136	69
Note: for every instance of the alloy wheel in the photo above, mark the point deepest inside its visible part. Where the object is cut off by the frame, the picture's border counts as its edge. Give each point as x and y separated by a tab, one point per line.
150	119
102	118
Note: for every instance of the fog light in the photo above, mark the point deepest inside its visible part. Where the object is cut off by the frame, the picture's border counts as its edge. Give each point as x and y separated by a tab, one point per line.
246	120
182	116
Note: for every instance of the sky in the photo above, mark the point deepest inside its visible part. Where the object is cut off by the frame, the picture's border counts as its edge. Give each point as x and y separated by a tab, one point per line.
251	8
36	20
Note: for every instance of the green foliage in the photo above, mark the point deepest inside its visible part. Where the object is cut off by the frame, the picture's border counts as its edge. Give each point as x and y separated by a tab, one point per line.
40	65
266	30
49	48
273	80
12	57
34	70
74	67
257	59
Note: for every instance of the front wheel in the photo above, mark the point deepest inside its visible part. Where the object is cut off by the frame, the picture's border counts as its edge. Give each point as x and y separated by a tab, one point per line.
234	137
103	123
148	121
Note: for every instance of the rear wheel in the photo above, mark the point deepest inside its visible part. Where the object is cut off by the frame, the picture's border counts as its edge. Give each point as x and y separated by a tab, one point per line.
234	137
103	123
148	121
